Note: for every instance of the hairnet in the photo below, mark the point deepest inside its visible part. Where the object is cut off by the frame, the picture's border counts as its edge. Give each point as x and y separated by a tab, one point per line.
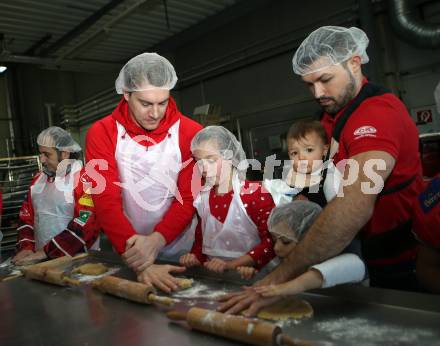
334	44
228	146
299	216
56	137
146	71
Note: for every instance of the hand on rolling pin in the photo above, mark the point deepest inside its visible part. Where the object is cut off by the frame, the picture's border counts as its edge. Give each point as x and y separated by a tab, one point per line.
21	255
159	276
141	250
189	260
248	300
31	258
216	265
246	272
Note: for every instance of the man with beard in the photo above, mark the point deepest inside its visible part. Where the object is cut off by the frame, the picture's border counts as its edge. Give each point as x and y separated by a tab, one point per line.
57	215
370	126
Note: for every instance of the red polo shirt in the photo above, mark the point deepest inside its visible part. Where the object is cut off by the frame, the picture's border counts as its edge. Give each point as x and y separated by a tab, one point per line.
382	123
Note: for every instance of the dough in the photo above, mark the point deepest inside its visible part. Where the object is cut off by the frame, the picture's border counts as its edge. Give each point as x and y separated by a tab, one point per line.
291	308
90	269
185	283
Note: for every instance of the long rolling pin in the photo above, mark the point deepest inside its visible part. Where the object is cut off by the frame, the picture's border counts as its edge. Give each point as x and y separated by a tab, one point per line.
48	271
131	290
237	328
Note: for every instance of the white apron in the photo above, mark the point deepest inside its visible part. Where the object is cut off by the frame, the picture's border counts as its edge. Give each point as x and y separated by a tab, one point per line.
148	178
53	207
233	238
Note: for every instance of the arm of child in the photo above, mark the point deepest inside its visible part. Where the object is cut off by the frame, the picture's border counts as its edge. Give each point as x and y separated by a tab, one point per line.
342	269
338	270
307	281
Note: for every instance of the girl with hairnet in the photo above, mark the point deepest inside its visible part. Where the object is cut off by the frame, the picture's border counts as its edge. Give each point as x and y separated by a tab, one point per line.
288	224
232	233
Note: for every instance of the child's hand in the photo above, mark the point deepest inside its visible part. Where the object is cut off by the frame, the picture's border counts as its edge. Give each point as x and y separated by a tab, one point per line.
274	290
216	265
246	272
189	260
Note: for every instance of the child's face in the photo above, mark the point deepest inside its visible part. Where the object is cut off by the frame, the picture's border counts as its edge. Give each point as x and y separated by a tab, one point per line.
283	238
213	167
304	151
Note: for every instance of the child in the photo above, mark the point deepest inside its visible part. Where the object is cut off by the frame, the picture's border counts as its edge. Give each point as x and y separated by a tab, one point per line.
232	233
308	177
287	225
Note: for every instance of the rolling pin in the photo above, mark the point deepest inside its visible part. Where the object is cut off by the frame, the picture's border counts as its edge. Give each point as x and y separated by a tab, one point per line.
48	271
131	290
233	327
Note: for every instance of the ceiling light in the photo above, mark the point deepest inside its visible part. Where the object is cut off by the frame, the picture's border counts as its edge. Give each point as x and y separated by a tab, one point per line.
3	69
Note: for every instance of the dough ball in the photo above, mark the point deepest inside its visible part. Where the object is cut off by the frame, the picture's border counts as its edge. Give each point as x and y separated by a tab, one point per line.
185	283
90	269
291	308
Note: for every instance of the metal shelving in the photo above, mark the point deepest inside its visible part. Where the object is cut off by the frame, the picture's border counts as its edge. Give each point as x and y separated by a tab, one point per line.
16	174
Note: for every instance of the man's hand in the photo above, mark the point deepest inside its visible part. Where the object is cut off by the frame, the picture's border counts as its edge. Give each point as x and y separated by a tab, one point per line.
246	272
21	255
248	300
159	276
189	260
216	265
141	250
34	257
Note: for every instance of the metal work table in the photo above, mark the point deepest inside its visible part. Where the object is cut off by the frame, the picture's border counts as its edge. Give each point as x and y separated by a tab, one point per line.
36	313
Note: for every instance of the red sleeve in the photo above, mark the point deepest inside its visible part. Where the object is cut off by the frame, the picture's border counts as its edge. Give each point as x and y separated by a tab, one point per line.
258	205
198	243
82	232
100	145
179	215
26	240
374	126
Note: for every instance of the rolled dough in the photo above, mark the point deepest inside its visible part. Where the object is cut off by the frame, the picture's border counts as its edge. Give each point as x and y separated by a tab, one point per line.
291	308
90	269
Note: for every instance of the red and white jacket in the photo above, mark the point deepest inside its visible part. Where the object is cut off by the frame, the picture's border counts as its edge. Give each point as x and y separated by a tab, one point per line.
81	233
101	142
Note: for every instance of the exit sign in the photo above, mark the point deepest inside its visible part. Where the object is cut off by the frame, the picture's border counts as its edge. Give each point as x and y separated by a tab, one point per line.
424	116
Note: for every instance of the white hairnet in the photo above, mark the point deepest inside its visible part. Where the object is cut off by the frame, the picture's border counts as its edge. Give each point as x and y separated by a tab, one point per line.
56	137
146	71
334	44
228	146
299	216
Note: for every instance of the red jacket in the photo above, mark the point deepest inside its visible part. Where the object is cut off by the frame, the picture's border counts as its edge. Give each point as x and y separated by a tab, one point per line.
427	214
101	143
81	232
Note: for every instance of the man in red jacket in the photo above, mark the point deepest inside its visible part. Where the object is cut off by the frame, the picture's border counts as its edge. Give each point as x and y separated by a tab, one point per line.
57	215
370	129
142	154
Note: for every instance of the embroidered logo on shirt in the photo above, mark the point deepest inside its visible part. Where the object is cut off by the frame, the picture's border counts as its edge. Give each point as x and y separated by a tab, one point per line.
86	200
365	131
83	217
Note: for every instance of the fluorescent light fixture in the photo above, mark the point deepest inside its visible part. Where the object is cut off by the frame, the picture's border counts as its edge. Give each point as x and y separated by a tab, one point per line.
3	69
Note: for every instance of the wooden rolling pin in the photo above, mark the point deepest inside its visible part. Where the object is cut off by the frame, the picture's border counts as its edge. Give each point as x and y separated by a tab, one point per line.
48	271
131	290
233	327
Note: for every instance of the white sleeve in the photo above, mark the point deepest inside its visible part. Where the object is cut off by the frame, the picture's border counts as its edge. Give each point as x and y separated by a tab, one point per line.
332	182
341	269
280	191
